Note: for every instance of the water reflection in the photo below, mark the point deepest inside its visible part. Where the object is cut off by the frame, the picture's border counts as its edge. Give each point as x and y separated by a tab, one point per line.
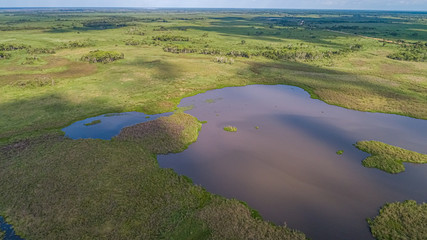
288	169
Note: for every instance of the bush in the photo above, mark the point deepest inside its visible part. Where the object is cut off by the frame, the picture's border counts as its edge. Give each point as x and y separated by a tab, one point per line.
165	38
4	55
102	56
40	51
134	42
416	53
179	49
223	60
78	44
12	47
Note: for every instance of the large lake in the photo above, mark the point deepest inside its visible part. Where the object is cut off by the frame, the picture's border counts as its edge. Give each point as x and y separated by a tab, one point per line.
288	169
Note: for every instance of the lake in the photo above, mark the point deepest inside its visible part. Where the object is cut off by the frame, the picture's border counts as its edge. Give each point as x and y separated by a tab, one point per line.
282	160
288	169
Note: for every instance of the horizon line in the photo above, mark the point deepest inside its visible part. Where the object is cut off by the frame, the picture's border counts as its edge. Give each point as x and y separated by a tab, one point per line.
224	8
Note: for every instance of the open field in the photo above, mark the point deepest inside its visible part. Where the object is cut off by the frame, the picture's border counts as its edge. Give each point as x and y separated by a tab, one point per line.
53	187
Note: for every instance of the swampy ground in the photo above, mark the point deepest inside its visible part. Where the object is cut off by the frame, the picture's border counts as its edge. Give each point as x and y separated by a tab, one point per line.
54	187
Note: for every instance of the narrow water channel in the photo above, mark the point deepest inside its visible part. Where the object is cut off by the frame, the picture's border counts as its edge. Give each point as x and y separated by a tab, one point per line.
282	160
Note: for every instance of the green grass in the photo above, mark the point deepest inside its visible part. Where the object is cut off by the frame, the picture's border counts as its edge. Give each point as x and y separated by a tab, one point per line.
388	158
400	220
94	122
230	129
57	188
340	152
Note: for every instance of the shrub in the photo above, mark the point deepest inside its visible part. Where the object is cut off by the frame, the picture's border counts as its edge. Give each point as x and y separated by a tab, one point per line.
12	47
5	55
165	38
223	60
102	56
230	129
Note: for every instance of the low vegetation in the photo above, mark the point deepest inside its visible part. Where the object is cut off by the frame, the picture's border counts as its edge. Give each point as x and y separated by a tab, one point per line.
230	129
415	52
99	56
57	188
400	220
165	134
340	152
388	158
94	122
5	55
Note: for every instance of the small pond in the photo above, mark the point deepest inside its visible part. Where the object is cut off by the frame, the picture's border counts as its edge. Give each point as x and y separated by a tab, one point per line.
288	169
108	125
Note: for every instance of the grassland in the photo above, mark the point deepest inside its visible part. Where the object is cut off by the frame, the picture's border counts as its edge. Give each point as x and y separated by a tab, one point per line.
58	88
406	220
388	158
55	188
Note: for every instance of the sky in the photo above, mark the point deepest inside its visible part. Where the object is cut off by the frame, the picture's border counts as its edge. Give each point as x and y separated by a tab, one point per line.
417	5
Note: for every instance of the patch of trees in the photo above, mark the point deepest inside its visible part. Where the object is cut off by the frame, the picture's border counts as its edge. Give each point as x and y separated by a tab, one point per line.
416	53
179	49
40	51
171	38
109	22
12	47
78	44
238	54
99	56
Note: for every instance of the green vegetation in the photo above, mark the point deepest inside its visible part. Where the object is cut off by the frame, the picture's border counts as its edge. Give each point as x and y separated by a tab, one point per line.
165	134
415	52
94	122
388	158
346	58
340	152
102	56
400	220
230	129
1	234
256	127
56	188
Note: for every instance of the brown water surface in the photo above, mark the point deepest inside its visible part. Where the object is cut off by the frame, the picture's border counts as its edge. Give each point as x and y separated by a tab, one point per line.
288	169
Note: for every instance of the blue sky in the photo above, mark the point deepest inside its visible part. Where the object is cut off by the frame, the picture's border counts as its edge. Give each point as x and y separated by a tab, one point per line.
418	5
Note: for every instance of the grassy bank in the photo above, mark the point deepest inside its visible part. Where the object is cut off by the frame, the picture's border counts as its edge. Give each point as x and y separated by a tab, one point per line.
400	220
57	188
388	158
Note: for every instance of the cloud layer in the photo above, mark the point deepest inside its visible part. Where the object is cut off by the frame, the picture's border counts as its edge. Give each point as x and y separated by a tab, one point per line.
418	5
